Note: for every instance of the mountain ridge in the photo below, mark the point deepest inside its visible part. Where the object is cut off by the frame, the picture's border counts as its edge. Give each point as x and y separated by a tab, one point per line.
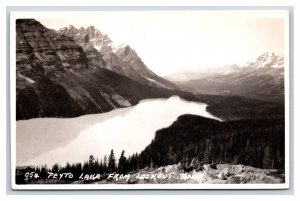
261	79
121	59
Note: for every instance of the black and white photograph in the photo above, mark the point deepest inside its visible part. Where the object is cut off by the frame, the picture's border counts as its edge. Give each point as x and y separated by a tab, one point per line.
166	99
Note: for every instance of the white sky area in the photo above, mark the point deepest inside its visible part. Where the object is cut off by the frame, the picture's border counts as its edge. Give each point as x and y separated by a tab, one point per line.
177	41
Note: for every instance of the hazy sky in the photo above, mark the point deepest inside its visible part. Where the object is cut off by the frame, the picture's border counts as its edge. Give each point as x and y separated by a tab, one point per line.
172	41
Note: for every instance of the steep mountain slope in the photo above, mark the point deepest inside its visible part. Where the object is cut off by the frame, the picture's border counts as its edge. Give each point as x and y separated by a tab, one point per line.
260	79
39	53
55	78
137	70
122	59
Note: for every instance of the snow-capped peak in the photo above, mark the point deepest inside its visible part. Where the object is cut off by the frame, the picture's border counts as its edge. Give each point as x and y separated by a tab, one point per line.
267	59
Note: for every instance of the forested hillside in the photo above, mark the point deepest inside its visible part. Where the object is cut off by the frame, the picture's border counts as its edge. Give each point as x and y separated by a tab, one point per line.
258	142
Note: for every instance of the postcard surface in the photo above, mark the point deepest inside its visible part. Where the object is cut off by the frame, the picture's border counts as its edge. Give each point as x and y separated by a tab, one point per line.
150	99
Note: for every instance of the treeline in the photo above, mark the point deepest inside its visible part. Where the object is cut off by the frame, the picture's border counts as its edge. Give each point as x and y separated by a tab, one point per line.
93	165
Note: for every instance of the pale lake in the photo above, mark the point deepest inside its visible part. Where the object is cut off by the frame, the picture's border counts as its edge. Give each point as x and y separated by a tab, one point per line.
61	140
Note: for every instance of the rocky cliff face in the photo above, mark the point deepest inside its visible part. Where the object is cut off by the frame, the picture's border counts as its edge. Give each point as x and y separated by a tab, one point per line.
91	40
113	62
122	60
42	49
97	46
87	35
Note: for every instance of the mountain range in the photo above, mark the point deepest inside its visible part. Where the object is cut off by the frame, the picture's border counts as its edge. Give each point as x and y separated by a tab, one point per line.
72	72
261	79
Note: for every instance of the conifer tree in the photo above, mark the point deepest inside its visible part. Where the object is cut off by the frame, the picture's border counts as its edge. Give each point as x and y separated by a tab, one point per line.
122	167
111	162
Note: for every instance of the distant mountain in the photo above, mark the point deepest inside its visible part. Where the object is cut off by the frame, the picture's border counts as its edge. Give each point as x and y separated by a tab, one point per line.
120	59
267	60
262	79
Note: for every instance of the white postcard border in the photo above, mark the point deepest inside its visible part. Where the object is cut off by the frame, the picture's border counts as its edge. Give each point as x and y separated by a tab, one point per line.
84	14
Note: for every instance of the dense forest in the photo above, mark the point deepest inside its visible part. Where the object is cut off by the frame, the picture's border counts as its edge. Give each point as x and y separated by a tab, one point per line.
256	142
